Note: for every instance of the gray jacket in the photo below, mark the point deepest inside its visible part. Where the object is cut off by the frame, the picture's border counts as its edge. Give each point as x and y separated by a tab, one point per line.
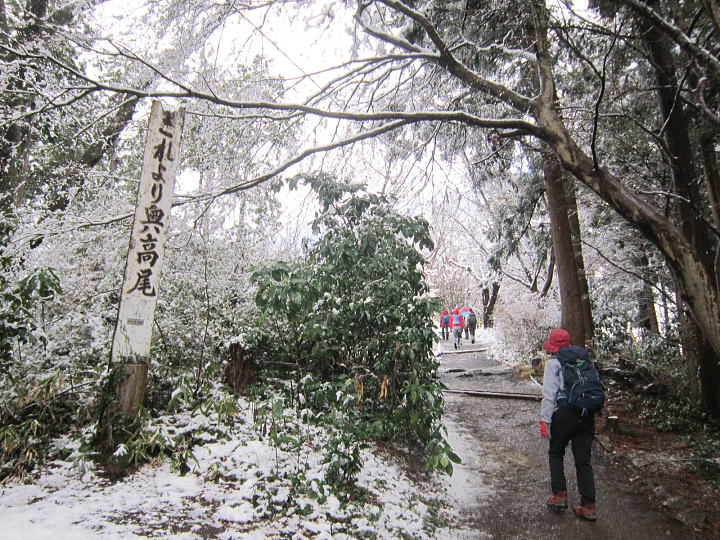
552	382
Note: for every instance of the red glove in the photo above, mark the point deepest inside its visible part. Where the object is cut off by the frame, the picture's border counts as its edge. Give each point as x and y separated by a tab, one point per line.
544	430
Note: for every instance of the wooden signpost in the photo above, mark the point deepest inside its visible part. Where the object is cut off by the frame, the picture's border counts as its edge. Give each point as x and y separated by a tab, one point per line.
141	283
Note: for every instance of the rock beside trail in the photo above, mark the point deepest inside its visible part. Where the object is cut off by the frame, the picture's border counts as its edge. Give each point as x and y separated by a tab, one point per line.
693	517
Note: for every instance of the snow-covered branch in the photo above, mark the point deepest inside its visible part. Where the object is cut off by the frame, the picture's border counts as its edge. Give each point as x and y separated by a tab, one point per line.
497	48
191	94
704	56
446	59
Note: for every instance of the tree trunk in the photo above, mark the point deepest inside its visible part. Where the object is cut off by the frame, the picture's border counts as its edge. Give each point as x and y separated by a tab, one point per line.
694	280
240	369
690	340
548	275
711	173
92	155
709	377
118	405
665	306
489	296
575	233
690	206
15	137
572	317
4	28
647	315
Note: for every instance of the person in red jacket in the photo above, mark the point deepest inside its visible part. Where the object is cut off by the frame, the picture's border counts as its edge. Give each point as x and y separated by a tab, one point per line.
457	323
445	324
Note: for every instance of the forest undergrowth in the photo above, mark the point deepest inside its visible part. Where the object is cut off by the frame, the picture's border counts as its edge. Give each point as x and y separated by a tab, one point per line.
671	451
318	349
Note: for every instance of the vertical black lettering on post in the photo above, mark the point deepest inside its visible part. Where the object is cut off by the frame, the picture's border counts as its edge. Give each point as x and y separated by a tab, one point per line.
150	227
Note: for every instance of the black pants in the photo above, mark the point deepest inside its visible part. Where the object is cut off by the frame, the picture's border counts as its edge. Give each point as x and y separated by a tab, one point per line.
445	332
568	426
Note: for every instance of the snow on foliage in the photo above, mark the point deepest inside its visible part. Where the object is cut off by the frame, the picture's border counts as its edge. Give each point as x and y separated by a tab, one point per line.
239	486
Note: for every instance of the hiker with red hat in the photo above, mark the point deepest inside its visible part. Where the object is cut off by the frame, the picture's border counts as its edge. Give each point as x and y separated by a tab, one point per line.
457	324
563	423
445	324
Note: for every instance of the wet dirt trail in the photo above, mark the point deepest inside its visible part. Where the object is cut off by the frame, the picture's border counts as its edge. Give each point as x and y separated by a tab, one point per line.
499	490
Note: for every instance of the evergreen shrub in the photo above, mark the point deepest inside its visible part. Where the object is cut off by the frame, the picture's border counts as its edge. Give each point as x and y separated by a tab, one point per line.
348	329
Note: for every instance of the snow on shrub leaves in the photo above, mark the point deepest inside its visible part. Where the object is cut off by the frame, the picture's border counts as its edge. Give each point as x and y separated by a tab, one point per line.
351	326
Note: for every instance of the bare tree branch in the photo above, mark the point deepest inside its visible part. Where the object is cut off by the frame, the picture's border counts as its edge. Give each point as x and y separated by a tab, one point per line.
188	93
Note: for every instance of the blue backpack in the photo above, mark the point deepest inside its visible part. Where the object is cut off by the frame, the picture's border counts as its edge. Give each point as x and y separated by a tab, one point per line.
445	320
456	320
583	391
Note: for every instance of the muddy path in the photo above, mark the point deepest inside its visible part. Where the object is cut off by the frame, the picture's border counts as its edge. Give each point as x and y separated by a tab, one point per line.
499	490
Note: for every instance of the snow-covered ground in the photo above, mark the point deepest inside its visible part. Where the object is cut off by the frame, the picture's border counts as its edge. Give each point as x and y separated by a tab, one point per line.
240	487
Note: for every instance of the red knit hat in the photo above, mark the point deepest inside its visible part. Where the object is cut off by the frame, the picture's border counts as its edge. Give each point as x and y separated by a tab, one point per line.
557	338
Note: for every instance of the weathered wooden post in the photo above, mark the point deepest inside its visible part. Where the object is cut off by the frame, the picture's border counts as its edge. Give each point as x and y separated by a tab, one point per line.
124	393
612	424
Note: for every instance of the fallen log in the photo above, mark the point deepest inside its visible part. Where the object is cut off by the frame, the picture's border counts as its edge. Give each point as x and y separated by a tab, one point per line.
502	395
466	351
484	372
638	377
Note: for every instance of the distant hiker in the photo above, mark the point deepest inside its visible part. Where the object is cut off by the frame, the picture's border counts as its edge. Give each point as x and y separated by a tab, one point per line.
470	324
464	312
457	323
566	418
444	324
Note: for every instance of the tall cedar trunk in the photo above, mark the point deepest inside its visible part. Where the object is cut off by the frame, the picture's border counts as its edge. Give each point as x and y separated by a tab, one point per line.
647	316
695	282
4	28
712	181
549	273
16	137
575	233
571	306
690	337
489	297
689	204
665	304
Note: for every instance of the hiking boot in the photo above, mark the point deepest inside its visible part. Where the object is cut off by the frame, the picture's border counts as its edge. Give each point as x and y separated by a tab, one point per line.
473	342
558	501
588	512
455	344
